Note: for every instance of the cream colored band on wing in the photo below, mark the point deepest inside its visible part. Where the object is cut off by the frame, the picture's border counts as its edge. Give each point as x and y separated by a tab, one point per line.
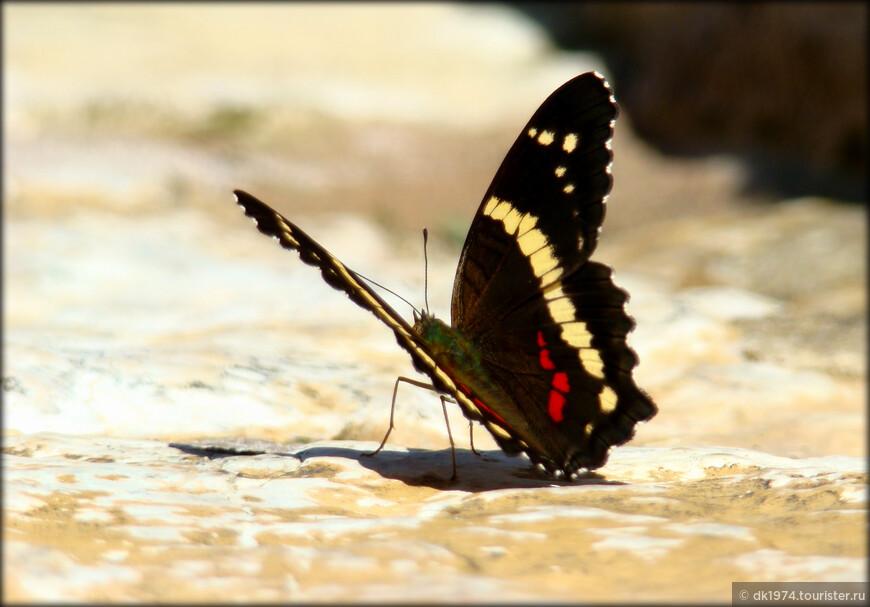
542	256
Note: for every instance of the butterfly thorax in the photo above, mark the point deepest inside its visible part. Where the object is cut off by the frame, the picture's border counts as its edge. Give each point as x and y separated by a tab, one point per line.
461	358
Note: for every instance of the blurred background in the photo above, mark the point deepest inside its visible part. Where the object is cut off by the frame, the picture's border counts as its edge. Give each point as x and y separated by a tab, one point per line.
401	109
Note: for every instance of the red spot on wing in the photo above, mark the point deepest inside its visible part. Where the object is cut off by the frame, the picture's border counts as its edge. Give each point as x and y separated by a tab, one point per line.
560	385
546	363
560	382
557	402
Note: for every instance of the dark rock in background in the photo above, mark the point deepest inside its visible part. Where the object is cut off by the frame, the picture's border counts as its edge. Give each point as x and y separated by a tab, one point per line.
783	86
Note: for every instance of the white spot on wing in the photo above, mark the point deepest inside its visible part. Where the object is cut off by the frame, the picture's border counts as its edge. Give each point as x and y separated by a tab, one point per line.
554	292
592	362
562	310
512	221
499	210
531	241
286	230
546	137
550	277
576	334
527	224
569	144
490	206
543	260
607	400
498	431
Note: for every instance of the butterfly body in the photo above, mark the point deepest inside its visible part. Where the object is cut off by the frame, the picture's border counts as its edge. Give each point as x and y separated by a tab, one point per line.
536	349
463	362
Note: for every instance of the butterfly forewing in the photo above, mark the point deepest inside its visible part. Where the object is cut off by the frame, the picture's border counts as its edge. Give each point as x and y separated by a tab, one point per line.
548	195
336	274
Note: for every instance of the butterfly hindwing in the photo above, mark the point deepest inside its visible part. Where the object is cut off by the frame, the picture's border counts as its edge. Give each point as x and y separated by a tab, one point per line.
571	380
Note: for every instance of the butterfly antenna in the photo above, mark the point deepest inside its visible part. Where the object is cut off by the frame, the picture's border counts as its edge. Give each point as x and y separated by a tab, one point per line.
425	270
380	286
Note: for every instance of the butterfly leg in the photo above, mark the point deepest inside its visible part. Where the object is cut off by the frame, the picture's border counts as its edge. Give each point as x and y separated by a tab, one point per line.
471	438
408	380
444	400
450	436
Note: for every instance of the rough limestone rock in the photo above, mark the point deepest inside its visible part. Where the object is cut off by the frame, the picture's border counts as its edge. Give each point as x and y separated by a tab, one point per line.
101	517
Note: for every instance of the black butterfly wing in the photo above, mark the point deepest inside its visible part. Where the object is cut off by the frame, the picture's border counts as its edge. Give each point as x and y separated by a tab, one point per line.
569	381
555	179
271	223
550	325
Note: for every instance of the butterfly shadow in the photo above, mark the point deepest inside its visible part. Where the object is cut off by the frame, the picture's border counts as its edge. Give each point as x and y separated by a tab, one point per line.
475	472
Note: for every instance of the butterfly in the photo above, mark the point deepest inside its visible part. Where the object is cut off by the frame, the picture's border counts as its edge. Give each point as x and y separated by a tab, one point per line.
536	349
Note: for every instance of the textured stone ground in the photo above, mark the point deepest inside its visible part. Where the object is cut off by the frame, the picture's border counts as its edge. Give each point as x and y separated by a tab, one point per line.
99	518
185	404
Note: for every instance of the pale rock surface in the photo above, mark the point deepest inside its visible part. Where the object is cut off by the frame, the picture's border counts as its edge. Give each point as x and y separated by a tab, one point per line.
104	517
185	404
